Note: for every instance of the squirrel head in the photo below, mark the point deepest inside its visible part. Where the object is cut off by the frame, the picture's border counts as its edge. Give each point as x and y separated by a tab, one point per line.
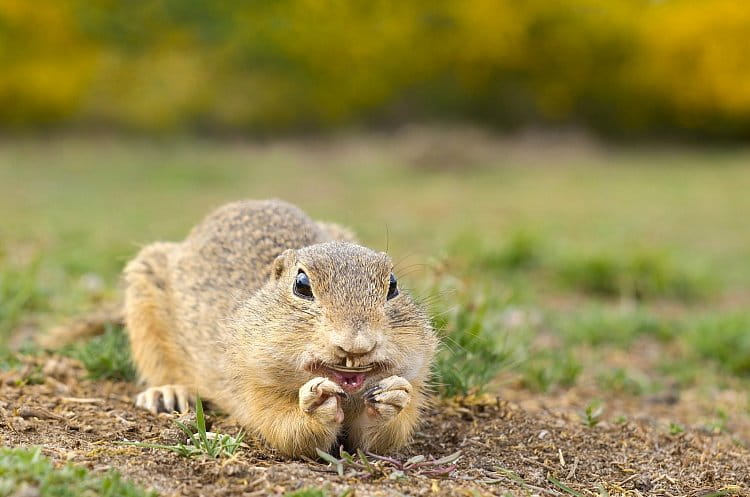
335	309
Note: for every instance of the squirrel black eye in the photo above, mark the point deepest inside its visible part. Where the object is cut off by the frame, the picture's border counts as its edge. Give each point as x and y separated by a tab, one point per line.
392	287
302	286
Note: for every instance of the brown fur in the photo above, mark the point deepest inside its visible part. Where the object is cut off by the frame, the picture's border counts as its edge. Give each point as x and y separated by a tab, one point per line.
216	314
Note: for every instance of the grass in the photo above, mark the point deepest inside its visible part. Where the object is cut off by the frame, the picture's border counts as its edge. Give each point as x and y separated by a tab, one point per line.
718	424
105	357
592	414
521	251
622	380
547	265
598	325
676	428
724	339
563	486
477	345
547	369
597	244
308	492
20	294
634	275
200	441
631	274
27	468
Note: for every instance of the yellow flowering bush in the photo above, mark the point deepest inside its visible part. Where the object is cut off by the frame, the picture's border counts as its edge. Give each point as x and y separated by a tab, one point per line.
621	66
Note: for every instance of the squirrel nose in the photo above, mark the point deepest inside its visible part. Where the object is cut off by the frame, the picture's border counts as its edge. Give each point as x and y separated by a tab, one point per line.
344	352
356	347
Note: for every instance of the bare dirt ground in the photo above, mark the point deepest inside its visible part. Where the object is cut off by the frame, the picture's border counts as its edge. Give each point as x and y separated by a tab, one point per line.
517	446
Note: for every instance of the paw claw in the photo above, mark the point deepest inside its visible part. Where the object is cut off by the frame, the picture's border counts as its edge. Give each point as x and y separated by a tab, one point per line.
164	399
371	392
320	397
389	397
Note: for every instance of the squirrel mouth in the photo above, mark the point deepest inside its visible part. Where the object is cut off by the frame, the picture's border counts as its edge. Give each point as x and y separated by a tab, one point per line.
350	382
353	369
349	377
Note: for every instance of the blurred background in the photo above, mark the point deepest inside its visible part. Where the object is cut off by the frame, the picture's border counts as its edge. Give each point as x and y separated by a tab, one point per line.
621	68
564	183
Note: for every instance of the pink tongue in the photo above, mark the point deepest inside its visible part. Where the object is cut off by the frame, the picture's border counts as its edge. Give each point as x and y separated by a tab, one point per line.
350	381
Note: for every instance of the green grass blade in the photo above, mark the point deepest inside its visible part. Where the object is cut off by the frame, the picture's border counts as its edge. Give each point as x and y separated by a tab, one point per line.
326	456
563	486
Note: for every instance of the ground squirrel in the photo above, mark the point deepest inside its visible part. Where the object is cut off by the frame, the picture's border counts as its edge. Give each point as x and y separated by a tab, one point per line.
286	324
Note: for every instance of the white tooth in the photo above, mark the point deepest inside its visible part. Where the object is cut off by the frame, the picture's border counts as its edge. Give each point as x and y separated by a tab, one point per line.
349	362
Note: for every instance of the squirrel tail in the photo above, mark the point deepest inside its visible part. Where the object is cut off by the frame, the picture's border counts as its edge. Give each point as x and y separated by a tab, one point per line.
84	326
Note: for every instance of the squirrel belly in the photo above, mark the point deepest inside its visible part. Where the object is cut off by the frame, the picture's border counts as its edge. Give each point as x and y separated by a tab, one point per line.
287	324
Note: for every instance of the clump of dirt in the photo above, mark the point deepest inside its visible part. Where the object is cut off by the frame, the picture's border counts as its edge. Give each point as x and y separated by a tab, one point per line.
505	448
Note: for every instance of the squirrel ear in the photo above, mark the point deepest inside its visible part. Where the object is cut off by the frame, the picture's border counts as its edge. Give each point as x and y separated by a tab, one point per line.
284	260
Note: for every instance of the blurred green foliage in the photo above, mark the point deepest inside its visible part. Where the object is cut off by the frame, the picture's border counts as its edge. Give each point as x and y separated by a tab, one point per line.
637	275
547	369
521	251
726	339
621	67
632	382
20	293
596	325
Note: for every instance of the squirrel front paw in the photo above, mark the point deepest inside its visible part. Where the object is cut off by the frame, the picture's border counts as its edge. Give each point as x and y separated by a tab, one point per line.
166	398
388	398
321	398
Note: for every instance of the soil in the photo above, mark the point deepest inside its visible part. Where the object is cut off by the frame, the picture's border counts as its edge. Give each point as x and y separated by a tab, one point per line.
515	444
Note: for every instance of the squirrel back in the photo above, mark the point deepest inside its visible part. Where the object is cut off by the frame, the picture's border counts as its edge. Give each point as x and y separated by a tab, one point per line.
230	253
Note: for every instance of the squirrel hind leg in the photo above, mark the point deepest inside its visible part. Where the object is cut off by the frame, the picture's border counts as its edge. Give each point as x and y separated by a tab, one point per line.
148	317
